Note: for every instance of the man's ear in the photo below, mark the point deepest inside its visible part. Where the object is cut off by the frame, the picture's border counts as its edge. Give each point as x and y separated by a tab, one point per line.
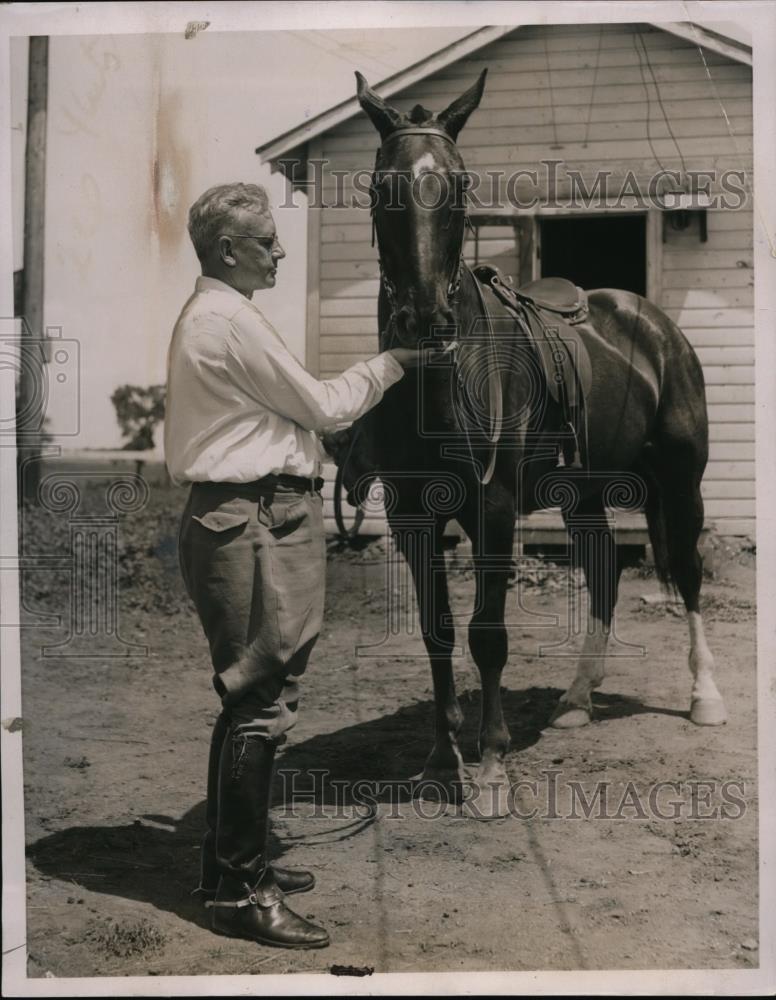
225	252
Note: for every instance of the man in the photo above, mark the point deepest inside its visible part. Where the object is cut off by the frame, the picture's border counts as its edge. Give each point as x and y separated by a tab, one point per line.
241	427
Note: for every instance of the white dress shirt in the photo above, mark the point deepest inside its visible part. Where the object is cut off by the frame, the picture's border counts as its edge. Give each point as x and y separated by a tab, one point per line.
239	404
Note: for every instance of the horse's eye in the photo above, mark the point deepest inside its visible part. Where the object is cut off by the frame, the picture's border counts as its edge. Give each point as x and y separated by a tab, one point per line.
462	179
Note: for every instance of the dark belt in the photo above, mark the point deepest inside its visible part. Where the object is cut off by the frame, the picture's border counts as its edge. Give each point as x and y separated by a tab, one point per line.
302	484
267	484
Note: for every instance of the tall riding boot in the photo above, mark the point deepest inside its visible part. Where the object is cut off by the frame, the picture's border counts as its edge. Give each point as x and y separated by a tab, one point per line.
208	869
249	903
288	880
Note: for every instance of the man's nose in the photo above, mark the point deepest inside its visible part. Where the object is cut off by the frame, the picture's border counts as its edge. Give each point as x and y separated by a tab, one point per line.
278	252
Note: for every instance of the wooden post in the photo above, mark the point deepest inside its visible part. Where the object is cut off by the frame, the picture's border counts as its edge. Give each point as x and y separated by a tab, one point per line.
312	351
31	392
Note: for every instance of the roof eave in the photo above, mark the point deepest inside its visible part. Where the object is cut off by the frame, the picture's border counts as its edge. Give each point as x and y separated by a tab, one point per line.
296	137
291	140
708	39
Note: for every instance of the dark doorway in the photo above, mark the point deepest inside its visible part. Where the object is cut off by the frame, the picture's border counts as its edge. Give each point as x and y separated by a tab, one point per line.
600	252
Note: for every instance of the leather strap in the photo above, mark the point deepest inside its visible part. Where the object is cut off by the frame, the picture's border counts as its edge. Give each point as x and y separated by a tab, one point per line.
300	483
264	899
495	397
236	904
418	130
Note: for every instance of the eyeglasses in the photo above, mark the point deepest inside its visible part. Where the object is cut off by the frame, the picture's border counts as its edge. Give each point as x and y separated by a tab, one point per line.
268	243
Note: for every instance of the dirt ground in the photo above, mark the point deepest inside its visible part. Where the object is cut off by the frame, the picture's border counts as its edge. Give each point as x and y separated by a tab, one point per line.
115	752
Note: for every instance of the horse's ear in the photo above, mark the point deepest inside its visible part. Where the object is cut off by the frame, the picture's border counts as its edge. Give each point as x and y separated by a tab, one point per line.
453	118
384	117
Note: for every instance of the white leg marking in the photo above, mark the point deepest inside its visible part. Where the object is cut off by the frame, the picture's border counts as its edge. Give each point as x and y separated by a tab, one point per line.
591	668
575	707
707	707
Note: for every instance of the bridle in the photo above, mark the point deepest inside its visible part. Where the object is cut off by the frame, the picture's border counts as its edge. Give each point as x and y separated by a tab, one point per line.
493	434
454	283
453	287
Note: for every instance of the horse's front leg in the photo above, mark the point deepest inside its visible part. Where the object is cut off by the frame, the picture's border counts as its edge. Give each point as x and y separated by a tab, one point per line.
492	544
422	548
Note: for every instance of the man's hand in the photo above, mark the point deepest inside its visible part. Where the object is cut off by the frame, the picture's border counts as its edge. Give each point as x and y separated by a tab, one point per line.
336	443
409	357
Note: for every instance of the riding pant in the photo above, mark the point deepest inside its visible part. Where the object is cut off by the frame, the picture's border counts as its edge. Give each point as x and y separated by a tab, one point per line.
253	560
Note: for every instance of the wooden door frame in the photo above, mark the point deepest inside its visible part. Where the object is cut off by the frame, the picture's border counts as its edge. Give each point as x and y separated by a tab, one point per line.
527	230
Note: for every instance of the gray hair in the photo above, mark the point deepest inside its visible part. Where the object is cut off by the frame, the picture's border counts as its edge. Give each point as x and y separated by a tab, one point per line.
218	207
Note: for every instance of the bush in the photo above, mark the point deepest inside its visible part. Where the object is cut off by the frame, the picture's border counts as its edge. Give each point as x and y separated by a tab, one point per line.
138	411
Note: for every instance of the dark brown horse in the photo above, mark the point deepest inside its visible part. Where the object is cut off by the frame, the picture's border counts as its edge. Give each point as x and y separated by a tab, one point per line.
440	457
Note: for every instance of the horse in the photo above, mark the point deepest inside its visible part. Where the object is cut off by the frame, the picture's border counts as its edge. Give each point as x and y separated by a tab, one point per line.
645	423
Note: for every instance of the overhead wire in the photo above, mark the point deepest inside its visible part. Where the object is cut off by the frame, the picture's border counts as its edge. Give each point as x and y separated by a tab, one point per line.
595	81
556	144
640	38
648	121
731	133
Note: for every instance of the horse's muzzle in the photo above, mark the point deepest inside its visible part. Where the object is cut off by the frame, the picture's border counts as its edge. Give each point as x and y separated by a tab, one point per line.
439	327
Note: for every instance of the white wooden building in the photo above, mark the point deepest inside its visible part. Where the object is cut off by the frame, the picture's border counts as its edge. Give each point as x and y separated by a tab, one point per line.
629	99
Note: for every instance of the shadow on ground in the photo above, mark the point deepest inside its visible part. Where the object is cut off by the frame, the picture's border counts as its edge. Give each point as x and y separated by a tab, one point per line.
155	859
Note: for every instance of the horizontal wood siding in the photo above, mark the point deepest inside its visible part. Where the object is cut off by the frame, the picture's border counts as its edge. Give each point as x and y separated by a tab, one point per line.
708	289
586	96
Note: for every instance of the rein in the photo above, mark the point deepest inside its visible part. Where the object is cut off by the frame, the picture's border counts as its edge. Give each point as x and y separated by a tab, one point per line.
495	397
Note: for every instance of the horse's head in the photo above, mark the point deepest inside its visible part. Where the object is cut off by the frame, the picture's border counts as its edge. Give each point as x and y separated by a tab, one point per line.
419	209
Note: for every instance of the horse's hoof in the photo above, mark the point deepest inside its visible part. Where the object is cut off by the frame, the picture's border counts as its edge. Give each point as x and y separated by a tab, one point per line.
487	796
708	712
440	784
568	716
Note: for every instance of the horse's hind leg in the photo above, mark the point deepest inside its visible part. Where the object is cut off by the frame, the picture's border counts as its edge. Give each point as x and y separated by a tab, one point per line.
594	548
675	519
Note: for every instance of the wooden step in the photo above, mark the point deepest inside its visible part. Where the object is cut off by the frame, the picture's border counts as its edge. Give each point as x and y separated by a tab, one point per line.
542	528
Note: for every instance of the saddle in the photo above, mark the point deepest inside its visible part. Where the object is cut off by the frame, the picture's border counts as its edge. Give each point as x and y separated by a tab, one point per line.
548	310
556	295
